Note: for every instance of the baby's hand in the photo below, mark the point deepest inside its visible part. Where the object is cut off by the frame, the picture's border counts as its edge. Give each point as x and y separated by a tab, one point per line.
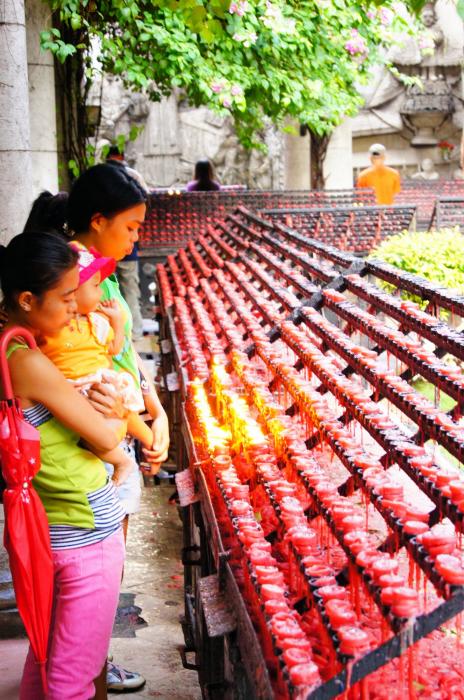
111	308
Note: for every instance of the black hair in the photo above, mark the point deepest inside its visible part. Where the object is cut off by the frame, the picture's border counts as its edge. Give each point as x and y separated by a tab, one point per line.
102	189
48	213
33	263
204	176
114	151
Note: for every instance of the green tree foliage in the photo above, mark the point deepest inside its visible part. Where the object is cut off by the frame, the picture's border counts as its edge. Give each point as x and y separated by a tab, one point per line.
261	60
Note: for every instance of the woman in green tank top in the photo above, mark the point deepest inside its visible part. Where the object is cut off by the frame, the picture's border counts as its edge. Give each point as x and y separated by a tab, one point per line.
39	277
105	210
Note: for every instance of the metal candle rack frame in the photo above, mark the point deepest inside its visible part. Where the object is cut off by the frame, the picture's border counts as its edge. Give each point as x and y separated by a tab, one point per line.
270	237
174	217
359	228
447	212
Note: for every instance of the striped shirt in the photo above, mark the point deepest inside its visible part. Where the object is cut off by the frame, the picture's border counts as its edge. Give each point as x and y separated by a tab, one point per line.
106	507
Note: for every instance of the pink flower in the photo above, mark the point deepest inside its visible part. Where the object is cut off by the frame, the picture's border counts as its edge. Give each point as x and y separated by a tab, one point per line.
236	90
370	15
226	102
357	45
238	8
386	16
217	87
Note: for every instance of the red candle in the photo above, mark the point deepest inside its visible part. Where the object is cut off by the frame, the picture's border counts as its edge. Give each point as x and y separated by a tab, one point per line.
410	450
304	541
366	462
294	656
391	580
318	570
296	643
339	512
351	522
274	606
421	460
415	527
399	508
365	557
269	574
286	629
450	568
457	489
418	513
383	565
391	491
439	540
386	595
304	674
330	592
340	612
444	478
353	640
405	601
356	540
260	557
239	507
270	591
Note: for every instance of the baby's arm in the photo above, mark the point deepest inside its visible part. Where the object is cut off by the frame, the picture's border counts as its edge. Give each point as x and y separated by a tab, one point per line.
122	462
113	311
140	430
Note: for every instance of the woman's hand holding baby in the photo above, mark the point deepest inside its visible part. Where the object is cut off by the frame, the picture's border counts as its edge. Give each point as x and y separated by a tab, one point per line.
104	400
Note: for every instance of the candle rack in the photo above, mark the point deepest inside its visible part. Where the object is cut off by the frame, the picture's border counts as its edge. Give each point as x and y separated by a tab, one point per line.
296	346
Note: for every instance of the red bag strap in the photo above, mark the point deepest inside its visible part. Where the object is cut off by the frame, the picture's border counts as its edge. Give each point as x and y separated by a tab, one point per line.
5	339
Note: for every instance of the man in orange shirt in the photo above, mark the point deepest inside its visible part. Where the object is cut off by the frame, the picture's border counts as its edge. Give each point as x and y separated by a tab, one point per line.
383	180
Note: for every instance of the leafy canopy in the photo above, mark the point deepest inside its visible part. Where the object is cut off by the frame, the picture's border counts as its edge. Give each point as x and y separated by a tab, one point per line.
254	60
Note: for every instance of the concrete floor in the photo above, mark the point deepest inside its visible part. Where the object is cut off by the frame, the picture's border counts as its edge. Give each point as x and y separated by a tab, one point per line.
154	575
152	581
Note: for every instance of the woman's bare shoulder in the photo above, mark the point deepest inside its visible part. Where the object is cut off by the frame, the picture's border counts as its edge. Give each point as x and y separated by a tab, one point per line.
30	369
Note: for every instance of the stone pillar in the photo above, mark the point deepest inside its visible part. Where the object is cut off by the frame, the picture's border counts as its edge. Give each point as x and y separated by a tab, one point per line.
15	155
296	162
338	164
41	100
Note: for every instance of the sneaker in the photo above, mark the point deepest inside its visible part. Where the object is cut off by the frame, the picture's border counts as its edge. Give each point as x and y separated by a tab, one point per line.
120	680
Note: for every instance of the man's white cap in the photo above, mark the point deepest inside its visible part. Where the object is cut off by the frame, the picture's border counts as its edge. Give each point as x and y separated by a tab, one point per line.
377	149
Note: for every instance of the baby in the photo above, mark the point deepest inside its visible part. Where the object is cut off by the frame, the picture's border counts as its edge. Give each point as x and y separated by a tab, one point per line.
83	352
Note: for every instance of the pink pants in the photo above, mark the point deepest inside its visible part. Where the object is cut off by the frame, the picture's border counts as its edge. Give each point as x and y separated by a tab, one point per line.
87	581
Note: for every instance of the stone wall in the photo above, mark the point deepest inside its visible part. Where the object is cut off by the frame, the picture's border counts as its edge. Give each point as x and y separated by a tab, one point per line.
15	157
175	135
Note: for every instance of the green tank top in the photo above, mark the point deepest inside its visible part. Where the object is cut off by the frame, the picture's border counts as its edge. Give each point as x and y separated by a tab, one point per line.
67	472
126	360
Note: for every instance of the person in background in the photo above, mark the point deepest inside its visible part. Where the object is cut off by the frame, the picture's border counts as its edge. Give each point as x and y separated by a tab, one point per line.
204	178
383	180
128	268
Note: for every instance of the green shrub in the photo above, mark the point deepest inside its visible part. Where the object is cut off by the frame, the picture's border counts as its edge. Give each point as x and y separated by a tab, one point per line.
436	255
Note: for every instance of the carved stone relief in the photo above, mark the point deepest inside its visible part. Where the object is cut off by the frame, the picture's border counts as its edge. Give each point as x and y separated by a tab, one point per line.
176	135
424	113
